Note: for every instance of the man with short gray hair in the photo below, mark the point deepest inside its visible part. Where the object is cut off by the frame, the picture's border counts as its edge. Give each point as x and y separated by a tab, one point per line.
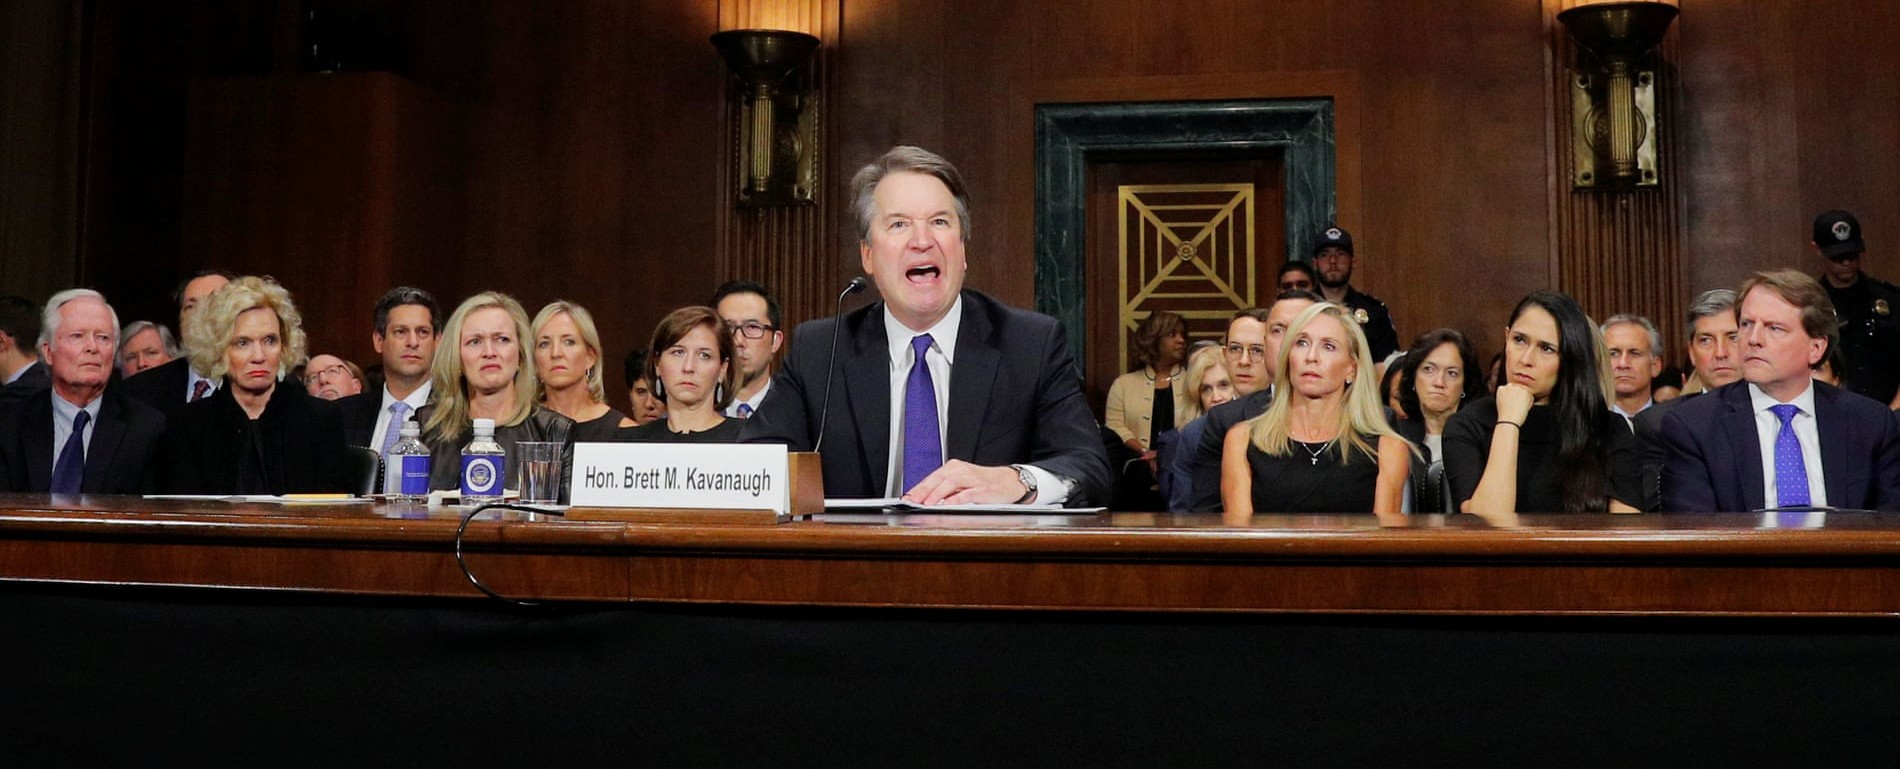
144	345
1635	348
77	436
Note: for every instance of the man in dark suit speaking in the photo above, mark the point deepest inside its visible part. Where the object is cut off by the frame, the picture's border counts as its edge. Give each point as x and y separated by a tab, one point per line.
1778	438
78	436
942	395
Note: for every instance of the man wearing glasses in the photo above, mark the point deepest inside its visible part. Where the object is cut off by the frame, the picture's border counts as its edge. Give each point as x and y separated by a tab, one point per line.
1869	310
1252	345
752	314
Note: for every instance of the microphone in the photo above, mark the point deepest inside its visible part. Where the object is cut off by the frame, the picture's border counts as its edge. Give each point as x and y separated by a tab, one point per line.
831	361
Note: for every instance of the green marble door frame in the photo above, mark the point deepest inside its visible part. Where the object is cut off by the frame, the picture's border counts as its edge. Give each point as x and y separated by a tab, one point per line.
1066	134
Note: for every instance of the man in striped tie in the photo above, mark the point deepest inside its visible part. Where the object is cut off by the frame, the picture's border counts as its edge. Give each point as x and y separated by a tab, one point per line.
943	395
78	436
1778	439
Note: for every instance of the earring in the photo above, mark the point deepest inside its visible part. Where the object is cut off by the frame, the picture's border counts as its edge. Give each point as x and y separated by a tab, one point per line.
719	391
659	389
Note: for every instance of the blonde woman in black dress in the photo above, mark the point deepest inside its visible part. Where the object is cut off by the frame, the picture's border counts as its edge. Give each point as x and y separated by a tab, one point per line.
1324	446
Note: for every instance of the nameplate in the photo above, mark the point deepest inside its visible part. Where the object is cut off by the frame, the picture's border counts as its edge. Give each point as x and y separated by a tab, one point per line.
721	476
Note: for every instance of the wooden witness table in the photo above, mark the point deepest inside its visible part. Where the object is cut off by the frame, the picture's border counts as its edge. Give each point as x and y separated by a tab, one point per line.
1066	640
1552	564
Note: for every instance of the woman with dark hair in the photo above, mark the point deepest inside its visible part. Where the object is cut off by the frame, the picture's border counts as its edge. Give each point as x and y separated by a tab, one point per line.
1436	376
1547	441
690	366
1143	403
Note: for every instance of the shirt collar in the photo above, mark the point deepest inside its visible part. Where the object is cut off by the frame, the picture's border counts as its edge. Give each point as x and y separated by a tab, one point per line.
416	400
943	334
1760	401
64	411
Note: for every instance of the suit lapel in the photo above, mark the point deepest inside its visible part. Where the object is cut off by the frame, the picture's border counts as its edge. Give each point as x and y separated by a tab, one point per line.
972	376
39	445
1833	447
107	434
1738	421
867	387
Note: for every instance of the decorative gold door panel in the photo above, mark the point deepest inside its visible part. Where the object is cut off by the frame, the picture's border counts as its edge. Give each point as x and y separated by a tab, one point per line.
1184	248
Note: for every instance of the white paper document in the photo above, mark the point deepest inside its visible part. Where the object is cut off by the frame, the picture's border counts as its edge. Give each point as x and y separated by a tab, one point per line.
898	504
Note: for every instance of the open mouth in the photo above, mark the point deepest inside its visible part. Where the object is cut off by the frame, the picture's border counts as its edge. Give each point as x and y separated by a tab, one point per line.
921	274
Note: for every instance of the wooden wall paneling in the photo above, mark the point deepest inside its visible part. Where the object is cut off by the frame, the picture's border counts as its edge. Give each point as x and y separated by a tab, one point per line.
41	87
592	160
1456	221
1618	252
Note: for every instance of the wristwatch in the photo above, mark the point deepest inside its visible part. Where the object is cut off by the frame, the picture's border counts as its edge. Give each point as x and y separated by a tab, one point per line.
1029	483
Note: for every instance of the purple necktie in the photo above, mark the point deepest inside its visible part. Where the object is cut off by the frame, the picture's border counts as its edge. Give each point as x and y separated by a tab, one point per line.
1791	474
398	413
200	390
923	444
70	470
745	410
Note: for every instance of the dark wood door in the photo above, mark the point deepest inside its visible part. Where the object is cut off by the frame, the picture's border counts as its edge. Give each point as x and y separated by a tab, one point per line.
1200	235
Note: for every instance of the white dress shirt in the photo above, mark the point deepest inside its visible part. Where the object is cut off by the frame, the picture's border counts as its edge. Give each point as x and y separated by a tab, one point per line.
416	400
752	402
1806	431
939	358
192	378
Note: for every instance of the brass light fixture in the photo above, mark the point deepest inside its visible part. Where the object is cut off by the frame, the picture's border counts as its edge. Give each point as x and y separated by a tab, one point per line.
1613	97
778	108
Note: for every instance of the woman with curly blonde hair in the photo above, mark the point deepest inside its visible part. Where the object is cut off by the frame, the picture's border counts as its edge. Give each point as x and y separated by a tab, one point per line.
482	371
253	436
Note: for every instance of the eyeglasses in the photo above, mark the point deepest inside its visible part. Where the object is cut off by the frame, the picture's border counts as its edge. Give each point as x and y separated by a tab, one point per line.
751	329
312	377
1242	352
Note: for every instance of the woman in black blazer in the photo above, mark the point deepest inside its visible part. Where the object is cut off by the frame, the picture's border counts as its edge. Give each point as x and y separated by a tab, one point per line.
253	436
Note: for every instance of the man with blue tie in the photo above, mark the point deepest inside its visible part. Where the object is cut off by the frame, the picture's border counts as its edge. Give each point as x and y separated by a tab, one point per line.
942	395
403	333
1779	439
77	436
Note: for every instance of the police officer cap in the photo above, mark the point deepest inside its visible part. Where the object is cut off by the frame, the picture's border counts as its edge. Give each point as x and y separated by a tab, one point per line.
1333	237
1837	233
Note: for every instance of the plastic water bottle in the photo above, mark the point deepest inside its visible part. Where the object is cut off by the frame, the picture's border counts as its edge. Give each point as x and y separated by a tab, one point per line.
406	469
484	466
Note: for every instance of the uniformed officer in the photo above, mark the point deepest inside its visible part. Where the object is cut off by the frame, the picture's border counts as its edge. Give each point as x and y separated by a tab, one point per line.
1333	258
1870	327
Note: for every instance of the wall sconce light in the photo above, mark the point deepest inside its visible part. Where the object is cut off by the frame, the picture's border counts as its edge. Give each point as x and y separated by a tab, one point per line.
1613	100
778	107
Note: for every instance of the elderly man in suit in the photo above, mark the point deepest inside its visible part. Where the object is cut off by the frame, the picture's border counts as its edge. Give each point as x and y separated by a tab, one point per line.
78	436
1779	439
943	395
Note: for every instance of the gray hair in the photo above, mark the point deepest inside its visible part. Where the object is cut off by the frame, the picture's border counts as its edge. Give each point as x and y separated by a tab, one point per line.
49	320
1715	301
1655	337
165	338
906	159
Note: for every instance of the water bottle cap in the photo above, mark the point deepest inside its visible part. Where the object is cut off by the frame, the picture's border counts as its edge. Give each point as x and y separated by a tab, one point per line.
484	427
410	429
